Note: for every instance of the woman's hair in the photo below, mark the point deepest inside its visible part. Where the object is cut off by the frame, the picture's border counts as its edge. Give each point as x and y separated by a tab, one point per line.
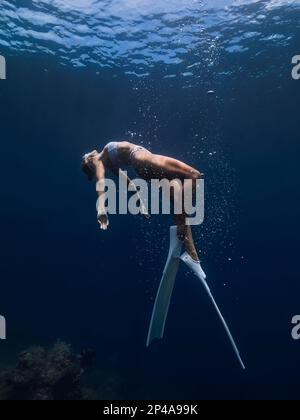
88	166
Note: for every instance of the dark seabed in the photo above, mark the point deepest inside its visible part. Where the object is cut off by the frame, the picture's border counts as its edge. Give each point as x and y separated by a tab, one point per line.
82	72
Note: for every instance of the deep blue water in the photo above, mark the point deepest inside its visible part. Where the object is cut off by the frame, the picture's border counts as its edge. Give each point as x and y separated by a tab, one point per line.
82	72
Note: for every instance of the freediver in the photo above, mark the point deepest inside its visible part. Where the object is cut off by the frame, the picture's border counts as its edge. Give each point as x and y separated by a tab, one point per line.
120	156
117	156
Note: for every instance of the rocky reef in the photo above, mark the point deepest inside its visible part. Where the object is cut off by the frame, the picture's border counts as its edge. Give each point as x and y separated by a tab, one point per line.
42	374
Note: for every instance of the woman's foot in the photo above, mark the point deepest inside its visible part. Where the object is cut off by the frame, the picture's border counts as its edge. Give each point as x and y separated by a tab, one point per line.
193	254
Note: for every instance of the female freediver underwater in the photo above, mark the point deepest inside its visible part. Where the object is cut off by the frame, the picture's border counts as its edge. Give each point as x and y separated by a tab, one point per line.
117	156
120	155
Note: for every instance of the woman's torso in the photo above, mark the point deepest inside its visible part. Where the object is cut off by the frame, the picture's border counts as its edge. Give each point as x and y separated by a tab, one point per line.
121	155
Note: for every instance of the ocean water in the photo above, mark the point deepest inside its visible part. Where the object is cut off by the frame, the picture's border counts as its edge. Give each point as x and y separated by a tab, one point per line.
83	72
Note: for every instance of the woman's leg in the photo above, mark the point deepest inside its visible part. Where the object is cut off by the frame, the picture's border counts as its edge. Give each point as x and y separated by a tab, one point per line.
184	231
185	235
150	166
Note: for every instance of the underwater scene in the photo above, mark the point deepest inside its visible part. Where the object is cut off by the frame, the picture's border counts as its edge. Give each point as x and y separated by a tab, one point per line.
212	85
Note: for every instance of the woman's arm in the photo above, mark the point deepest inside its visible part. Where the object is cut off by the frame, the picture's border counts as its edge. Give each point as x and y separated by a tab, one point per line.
130	183
133	189
100	188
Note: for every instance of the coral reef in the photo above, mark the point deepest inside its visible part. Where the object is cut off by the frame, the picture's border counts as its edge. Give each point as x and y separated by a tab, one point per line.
41	374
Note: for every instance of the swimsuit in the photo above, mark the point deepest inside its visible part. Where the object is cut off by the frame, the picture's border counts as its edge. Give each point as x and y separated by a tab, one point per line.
113	152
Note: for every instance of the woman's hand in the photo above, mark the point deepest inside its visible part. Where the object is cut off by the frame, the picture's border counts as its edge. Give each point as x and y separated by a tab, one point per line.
144	210
103	221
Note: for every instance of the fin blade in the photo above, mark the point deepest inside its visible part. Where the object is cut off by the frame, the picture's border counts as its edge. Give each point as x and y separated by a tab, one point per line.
162	302
164	294
196	268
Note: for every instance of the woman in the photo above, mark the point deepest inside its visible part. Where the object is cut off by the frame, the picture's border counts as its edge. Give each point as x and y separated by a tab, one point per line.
120	155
